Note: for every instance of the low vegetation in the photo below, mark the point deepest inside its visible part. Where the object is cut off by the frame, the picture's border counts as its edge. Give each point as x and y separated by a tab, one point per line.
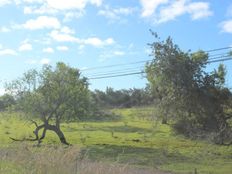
132	144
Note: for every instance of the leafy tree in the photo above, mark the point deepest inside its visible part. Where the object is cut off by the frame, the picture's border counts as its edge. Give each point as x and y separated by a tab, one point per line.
52	95
186	92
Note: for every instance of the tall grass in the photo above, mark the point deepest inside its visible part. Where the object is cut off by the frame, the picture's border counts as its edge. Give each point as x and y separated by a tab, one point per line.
27	159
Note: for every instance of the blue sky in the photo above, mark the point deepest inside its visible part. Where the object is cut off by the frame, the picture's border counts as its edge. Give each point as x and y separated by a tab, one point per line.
91	33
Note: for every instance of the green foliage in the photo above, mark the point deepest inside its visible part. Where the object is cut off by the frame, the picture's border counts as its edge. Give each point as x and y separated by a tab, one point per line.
162	148
50	93
6	101
188	94
122	98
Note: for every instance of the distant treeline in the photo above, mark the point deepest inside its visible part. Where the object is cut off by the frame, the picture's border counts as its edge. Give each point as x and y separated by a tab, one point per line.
6	101
110	98
123	98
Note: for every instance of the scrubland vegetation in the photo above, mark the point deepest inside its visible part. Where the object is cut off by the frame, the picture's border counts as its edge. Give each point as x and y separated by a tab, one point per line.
50	122
129	145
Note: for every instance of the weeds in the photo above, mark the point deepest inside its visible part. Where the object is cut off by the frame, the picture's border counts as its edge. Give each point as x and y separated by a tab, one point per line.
58	160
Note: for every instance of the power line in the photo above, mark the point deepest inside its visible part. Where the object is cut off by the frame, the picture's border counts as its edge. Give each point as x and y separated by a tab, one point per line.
219	57
115	73
133	69
219	60
119	75
219	54
124	70
218	49
142	72
115	65
144	61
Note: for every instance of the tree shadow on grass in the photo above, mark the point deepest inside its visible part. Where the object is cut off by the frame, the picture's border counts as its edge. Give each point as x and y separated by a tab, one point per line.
133	155
125	129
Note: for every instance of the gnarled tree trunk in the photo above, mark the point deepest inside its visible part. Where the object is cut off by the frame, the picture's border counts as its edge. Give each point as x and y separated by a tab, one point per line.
46	126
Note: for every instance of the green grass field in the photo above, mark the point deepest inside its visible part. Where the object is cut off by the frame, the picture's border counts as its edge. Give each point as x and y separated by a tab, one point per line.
134	140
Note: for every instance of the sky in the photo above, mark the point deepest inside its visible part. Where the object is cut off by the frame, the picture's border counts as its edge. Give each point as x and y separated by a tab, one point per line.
98	33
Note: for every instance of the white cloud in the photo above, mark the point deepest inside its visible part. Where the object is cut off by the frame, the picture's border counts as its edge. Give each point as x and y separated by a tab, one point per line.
124	11
150	6
109	41
45	61
199	10
63	37
106	55
94	41
119	53
81	47
161	11
27	10
45	9
67	30
33	1
67	4
41	10
57	4
4	29
4	2
25	47
226	26
48	50
115	14
62	48
68	16
42	22
44	41
9	52
69	9
72	4
171	12
96	2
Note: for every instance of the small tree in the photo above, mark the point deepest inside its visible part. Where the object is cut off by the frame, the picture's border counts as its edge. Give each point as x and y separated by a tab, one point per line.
52	95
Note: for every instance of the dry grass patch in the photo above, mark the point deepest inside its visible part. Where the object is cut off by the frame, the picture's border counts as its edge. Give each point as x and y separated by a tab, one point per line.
27	159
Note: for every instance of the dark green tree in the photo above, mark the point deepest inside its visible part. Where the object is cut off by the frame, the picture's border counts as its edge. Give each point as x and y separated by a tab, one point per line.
195	99
6	101
122	98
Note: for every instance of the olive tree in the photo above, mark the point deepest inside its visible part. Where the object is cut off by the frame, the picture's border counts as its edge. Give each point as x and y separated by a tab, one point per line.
52	95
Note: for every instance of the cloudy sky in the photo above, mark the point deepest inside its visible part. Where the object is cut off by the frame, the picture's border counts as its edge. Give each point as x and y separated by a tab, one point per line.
92	33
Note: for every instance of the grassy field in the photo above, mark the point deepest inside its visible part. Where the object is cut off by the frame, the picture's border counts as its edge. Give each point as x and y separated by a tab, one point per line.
125	146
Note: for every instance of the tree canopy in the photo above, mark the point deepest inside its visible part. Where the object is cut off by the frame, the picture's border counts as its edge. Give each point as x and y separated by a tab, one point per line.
52	95
195	98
